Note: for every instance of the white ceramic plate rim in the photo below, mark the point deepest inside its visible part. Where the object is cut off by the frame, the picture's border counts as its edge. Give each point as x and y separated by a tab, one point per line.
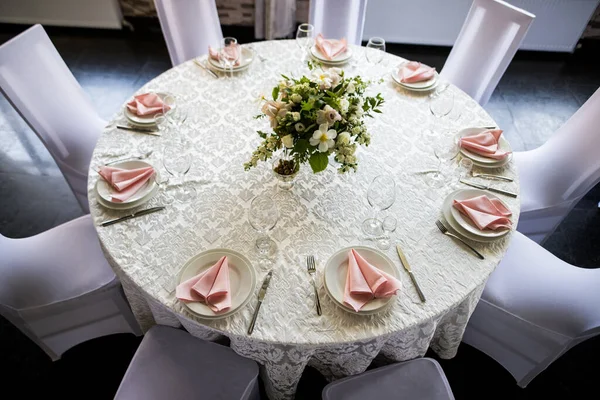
330	272
201	309
466	223
247	58
104	189
426	85
504	145
136	119
339	59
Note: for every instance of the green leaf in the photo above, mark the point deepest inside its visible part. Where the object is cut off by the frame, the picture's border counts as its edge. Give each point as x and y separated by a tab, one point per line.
275	92
285	77
262	134
338	87
318	161
377	111
301	146
330	93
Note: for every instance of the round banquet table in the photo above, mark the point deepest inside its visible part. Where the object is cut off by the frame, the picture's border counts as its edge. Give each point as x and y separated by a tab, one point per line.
320	215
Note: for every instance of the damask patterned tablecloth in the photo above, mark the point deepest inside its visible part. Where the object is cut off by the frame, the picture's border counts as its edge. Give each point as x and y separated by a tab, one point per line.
319	216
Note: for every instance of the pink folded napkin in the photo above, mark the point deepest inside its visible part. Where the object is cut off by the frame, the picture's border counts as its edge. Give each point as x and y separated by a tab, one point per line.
233	52
125	181
330	48
413	72
147	104
485	144
486	213
210	287
365	282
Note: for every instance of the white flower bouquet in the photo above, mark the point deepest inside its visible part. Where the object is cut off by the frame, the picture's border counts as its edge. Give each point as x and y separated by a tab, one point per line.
314	117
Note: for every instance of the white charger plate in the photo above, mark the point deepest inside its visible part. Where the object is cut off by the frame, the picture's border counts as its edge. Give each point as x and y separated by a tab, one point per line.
336	268
448	215
339	59
242	280
104	190
466	223
417	86
482	160
145	120
246	58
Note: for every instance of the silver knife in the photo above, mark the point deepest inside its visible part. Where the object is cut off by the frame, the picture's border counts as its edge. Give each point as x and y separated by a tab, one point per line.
491	189
261	297
140	130
490	176
407	268
134	215
204	67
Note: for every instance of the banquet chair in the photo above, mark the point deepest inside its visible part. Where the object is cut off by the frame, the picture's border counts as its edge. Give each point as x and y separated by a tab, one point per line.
486	44
172	364
39	85
336	19
421	379
556	175
58	289
189	27
533	309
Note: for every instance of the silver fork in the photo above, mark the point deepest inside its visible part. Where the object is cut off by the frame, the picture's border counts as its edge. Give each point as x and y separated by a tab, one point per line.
310	264
444	230
140	157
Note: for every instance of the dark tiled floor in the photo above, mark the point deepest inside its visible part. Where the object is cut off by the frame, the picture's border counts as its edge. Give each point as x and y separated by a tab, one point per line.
538	93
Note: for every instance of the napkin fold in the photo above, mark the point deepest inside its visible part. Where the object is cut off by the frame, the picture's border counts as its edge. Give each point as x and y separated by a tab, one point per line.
211	287
485	144
365	282
413	72
232	52
125	181
486	213
330	47
147	104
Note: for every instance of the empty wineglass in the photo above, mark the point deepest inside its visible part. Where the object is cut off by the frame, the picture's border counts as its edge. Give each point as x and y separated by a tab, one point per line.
177	160
441	102
229	54
381	195
375	50
388	226
263	216
304	39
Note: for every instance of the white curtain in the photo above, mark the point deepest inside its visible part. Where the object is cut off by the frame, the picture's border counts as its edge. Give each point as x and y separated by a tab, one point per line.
274	19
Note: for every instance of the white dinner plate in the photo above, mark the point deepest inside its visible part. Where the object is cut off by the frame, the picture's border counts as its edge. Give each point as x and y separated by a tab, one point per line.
336	268
417	86
339	59
466	223
482	160
145	120
246	58
447	212
241	276
104	190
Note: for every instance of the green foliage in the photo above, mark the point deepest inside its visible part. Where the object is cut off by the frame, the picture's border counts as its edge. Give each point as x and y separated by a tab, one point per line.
318	161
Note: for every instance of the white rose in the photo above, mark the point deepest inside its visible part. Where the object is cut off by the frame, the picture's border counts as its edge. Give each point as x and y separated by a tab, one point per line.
344	104
356	130
299	127
350	88
343	138
288	141
296	116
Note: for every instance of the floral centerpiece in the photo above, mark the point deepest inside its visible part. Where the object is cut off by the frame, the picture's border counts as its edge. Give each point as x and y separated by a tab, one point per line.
314	117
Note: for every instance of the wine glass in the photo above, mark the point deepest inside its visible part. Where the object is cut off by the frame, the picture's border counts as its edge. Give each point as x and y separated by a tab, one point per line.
441	102
381	195
389	226
375	50
263	216
304	39
177	160
229	54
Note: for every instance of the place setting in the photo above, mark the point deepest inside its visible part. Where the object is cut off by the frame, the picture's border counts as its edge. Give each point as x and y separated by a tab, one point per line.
415	76
331	52
229	58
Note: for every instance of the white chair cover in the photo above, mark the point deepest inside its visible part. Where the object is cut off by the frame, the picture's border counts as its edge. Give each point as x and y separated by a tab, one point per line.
38	83
336	19
59	290
485	46
189	26
534	308
556	175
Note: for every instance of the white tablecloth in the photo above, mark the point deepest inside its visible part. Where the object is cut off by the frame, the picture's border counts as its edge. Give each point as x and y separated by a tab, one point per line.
318	216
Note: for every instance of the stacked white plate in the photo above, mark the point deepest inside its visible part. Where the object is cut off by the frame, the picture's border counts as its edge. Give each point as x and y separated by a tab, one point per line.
462	224
424	86
340	59
336	269
146	120
246	58
104	190
242	280
482	161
